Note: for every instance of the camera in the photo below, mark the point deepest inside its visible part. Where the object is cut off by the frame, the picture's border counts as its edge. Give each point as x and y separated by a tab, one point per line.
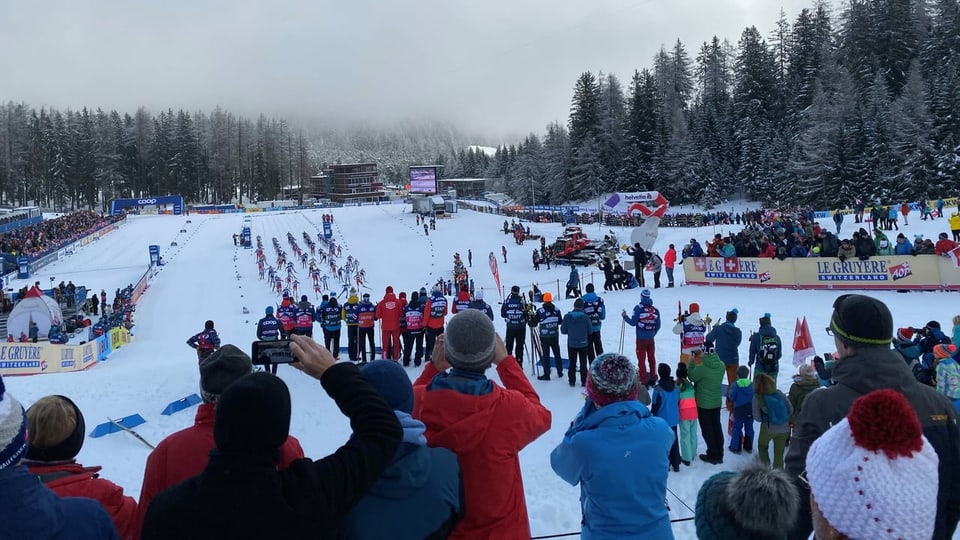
272	352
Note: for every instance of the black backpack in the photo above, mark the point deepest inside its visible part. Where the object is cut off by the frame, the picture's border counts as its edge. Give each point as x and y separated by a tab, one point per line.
768	351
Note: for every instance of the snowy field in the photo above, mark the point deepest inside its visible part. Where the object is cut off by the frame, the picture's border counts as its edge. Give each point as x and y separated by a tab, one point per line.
200	282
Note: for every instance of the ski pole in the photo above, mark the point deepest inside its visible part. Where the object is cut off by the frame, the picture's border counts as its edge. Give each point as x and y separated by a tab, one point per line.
623	327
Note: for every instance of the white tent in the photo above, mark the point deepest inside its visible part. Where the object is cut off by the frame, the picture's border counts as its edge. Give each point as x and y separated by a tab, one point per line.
36	307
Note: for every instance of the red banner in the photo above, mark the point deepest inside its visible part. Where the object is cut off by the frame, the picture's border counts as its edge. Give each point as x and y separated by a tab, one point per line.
496	274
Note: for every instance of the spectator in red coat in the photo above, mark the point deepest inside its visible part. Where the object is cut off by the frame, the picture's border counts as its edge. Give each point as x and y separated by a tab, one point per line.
56	432
389	311
485	424
185	453
944	245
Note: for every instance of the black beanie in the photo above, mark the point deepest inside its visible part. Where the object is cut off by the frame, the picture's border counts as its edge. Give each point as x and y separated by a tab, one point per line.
663	371
862	319
732	315
253	415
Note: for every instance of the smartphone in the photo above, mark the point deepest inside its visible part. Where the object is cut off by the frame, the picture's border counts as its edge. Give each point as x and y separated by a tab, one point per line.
272	352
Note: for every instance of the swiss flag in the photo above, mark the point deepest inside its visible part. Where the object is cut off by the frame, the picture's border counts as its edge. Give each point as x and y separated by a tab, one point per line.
700	264
955	256
802	343
730	264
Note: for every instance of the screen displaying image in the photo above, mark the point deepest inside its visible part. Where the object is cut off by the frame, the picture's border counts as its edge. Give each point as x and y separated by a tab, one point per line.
423	180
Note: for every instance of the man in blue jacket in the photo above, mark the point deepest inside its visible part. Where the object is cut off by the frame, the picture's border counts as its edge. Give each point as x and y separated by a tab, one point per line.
514	311
594	308
617	452
726	337
576	326
547	319
419	494
646	319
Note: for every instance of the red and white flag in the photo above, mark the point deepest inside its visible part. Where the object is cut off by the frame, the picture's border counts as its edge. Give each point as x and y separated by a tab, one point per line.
496	274
955	256
802	343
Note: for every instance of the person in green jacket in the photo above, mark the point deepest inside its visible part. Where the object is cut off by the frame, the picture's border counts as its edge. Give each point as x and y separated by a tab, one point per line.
706	372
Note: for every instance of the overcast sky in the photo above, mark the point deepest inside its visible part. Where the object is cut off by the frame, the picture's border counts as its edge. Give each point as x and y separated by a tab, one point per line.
498	67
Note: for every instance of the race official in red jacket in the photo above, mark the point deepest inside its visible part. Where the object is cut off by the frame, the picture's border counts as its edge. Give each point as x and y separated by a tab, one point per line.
485	424
389	312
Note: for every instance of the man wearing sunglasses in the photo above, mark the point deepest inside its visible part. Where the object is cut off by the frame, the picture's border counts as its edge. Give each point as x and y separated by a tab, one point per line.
862	329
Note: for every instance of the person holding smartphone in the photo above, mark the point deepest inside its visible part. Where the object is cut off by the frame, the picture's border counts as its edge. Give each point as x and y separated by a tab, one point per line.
241	494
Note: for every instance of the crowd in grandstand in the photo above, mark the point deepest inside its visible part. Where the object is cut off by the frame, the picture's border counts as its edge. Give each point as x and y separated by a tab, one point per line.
51	234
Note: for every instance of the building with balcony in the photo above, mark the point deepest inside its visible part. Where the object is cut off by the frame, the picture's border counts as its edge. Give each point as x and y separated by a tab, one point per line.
351	183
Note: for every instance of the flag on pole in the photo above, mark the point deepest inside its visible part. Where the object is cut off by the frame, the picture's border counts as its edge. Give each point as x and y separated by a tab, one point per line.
496	274
802	343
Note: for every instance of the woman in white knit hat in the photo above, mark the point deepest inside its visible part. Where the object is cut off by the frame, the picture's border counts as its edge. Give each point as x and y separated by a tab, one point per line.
874	474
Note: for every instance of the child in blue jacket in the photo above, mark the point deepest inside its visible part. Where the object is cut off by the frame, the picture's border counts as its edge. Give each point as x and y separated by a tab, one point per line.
666	404
741	394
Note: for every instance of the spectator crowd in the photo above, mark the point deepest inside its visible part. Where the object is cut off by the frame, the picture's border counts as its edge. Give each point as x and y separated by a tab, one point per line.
873	448
51	234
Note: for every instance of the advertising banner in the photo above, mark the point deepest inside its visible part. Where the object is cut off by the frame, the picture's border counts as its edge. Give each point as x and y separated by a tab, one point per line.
741	272
885	272
619	203
34	358
895	272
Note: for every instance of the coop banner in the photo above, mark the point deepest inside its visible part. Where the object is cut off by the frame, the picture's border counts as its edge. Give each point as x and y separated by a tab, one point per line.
738	271
891	272
35	358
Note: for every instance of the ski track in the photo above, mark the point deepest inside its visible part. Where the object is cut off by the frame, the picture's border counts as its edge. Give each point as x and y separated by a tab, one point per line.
200	282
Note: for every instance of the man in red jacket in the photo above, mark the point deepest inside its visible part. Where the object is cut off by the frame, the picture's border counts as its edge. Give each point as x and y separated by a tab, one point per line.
485	424
389	311
669	262
185	453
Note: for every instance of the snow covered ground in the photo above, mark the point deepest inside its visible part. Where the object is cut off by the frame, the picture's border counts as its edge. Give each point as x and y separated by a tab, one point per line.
200	282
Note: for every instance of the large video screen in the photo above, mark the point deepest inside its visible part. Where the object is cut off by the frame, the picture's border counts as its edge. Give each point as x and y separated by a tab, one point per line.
423	180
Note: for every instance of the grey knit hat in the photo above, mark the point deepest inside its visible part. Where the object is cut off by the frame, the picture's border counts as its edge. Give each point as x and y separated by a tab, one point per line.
469	341
221	369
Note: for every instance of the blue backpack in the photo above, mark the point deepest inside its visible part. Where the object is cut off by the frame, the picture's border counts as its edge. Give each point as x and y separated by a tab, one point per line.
777	412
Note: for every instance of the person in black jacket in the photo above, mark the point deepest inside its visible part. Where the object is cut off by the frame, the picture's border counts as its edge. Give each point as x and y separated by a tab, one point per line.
241	494
420	494
270	329
863	330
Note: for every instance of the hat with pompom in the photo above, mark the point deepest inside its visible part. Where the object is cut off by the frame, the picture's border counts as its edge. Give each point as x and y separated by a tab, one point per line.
874	474
905	334
942	351
646	297
765	320
732	315
612	378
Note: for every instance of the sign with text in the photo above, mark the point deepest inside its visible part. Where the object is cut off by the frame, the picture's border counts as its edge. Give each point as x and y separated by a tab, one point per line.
924	272
34	358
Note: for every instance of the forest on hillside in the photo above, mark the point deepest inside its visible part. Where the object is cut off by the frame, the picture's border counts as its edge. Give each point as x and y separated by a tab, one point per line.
824	108
72	159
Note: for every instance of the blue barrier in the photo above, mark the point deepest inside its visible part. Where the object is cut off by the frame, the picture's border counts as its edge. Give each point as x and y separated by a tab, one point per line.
181	404
107	428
